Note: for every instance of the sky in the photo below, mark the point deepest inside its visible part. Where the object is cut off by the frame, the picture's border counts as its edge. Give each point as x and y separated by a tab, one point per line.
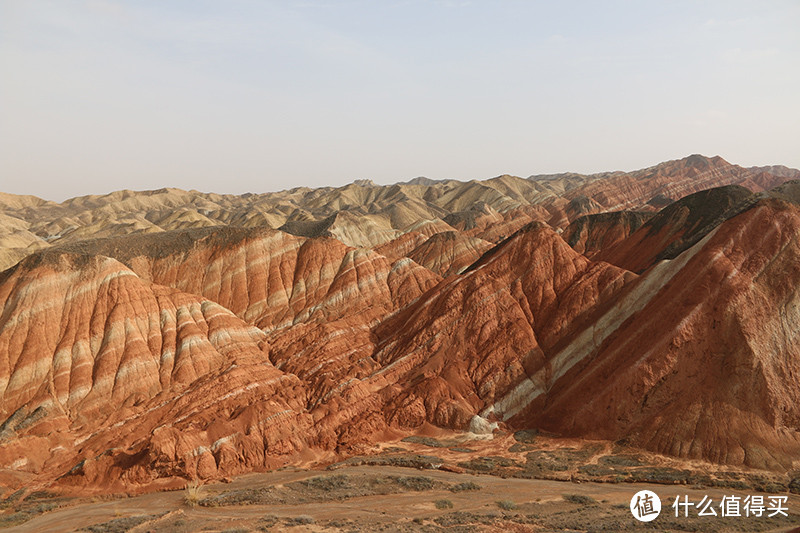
242	96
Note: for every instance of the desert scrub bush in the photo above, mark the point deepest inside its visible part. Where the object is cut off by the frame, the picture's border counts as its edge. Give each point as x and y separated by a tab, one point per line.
407	460
327	483
417	483
667	476
443	504
468	521
194	493
345	523
266	523
794	485
301	520
20	515
462	449
427	441
506	505
466	486
526	436
487	464
621	460
119	525
579	499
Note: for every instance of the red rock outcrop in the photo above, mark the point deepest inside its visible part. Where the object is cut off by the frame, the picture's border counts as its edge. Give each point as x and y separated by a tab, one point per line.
449	252
135	362
475	335
590	234
269	278
698	358
115	382
401	246
672	180
676	227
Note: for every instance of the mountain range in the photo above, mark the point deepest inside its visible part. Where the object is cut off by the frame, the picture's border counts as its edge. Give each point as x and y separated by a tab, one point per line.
147	338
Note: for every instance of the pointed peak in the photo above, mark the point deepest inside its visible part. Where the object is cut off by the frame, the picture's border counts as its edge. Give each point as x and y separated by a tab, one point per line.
701	161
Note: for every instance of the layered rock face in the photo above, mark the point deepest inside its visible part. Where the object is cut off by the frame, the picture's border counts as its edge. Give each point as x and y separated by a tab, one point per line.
118	382
675	228
367	215
192	349
270	278
698	358
591	234
449	252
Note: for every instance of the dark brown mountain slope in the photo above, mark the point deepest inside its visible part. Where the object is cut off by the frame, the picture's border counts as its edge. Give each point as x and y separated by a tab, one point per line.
677	227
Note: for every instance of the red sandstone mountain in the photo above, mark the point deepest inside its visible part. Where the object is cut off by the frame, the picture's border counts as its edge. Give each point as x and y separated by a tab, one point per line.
270	278
127	360
698	358
671	180
590	234
148	338
675	228
449	252
368	215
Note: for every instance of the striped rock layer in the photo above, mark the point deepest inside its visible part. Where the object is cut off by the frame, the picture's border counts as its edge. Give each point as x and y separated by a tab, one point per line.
134	363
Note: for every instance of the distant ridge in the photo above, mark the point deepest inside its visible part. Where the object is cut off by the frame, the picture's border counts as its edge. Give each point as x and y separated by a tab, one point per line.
382	212
151	338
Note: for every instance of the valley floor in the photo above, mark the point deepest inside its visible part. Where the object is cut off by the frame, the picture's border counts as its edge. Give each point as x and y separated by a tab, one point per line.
390	498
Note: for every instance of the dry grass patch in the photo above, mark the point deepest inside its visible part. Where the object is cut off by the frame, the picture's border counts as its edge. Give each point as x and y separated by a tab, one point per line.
194	493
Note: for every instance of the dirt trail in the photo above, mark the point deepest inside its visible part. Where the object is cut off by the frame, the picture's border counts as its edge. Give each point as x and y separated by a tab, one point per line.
538	505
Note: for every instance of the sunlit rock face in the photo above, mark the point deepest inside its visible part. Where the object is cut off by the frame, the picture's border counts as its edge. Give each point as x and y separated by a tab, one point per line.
697	358
365	215
149	338
116	380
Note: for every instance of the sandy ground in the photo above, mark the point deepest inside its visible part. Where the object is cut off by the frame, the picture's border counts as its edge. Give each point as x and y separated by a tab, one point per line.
539	506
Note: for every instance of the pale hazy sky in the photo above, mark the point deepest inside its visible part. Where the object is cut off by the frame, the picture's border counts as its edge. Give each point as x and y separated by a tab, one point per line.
235	95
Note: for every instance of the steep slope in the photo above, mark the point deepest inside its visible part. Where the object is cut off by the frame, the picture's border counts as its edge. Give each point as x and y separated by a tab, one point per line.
449	252
484	222
483	331
357	230
699	358
401	246
670	180
112	381
590	234
269	278
16	239
461	345
788	191
677	227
